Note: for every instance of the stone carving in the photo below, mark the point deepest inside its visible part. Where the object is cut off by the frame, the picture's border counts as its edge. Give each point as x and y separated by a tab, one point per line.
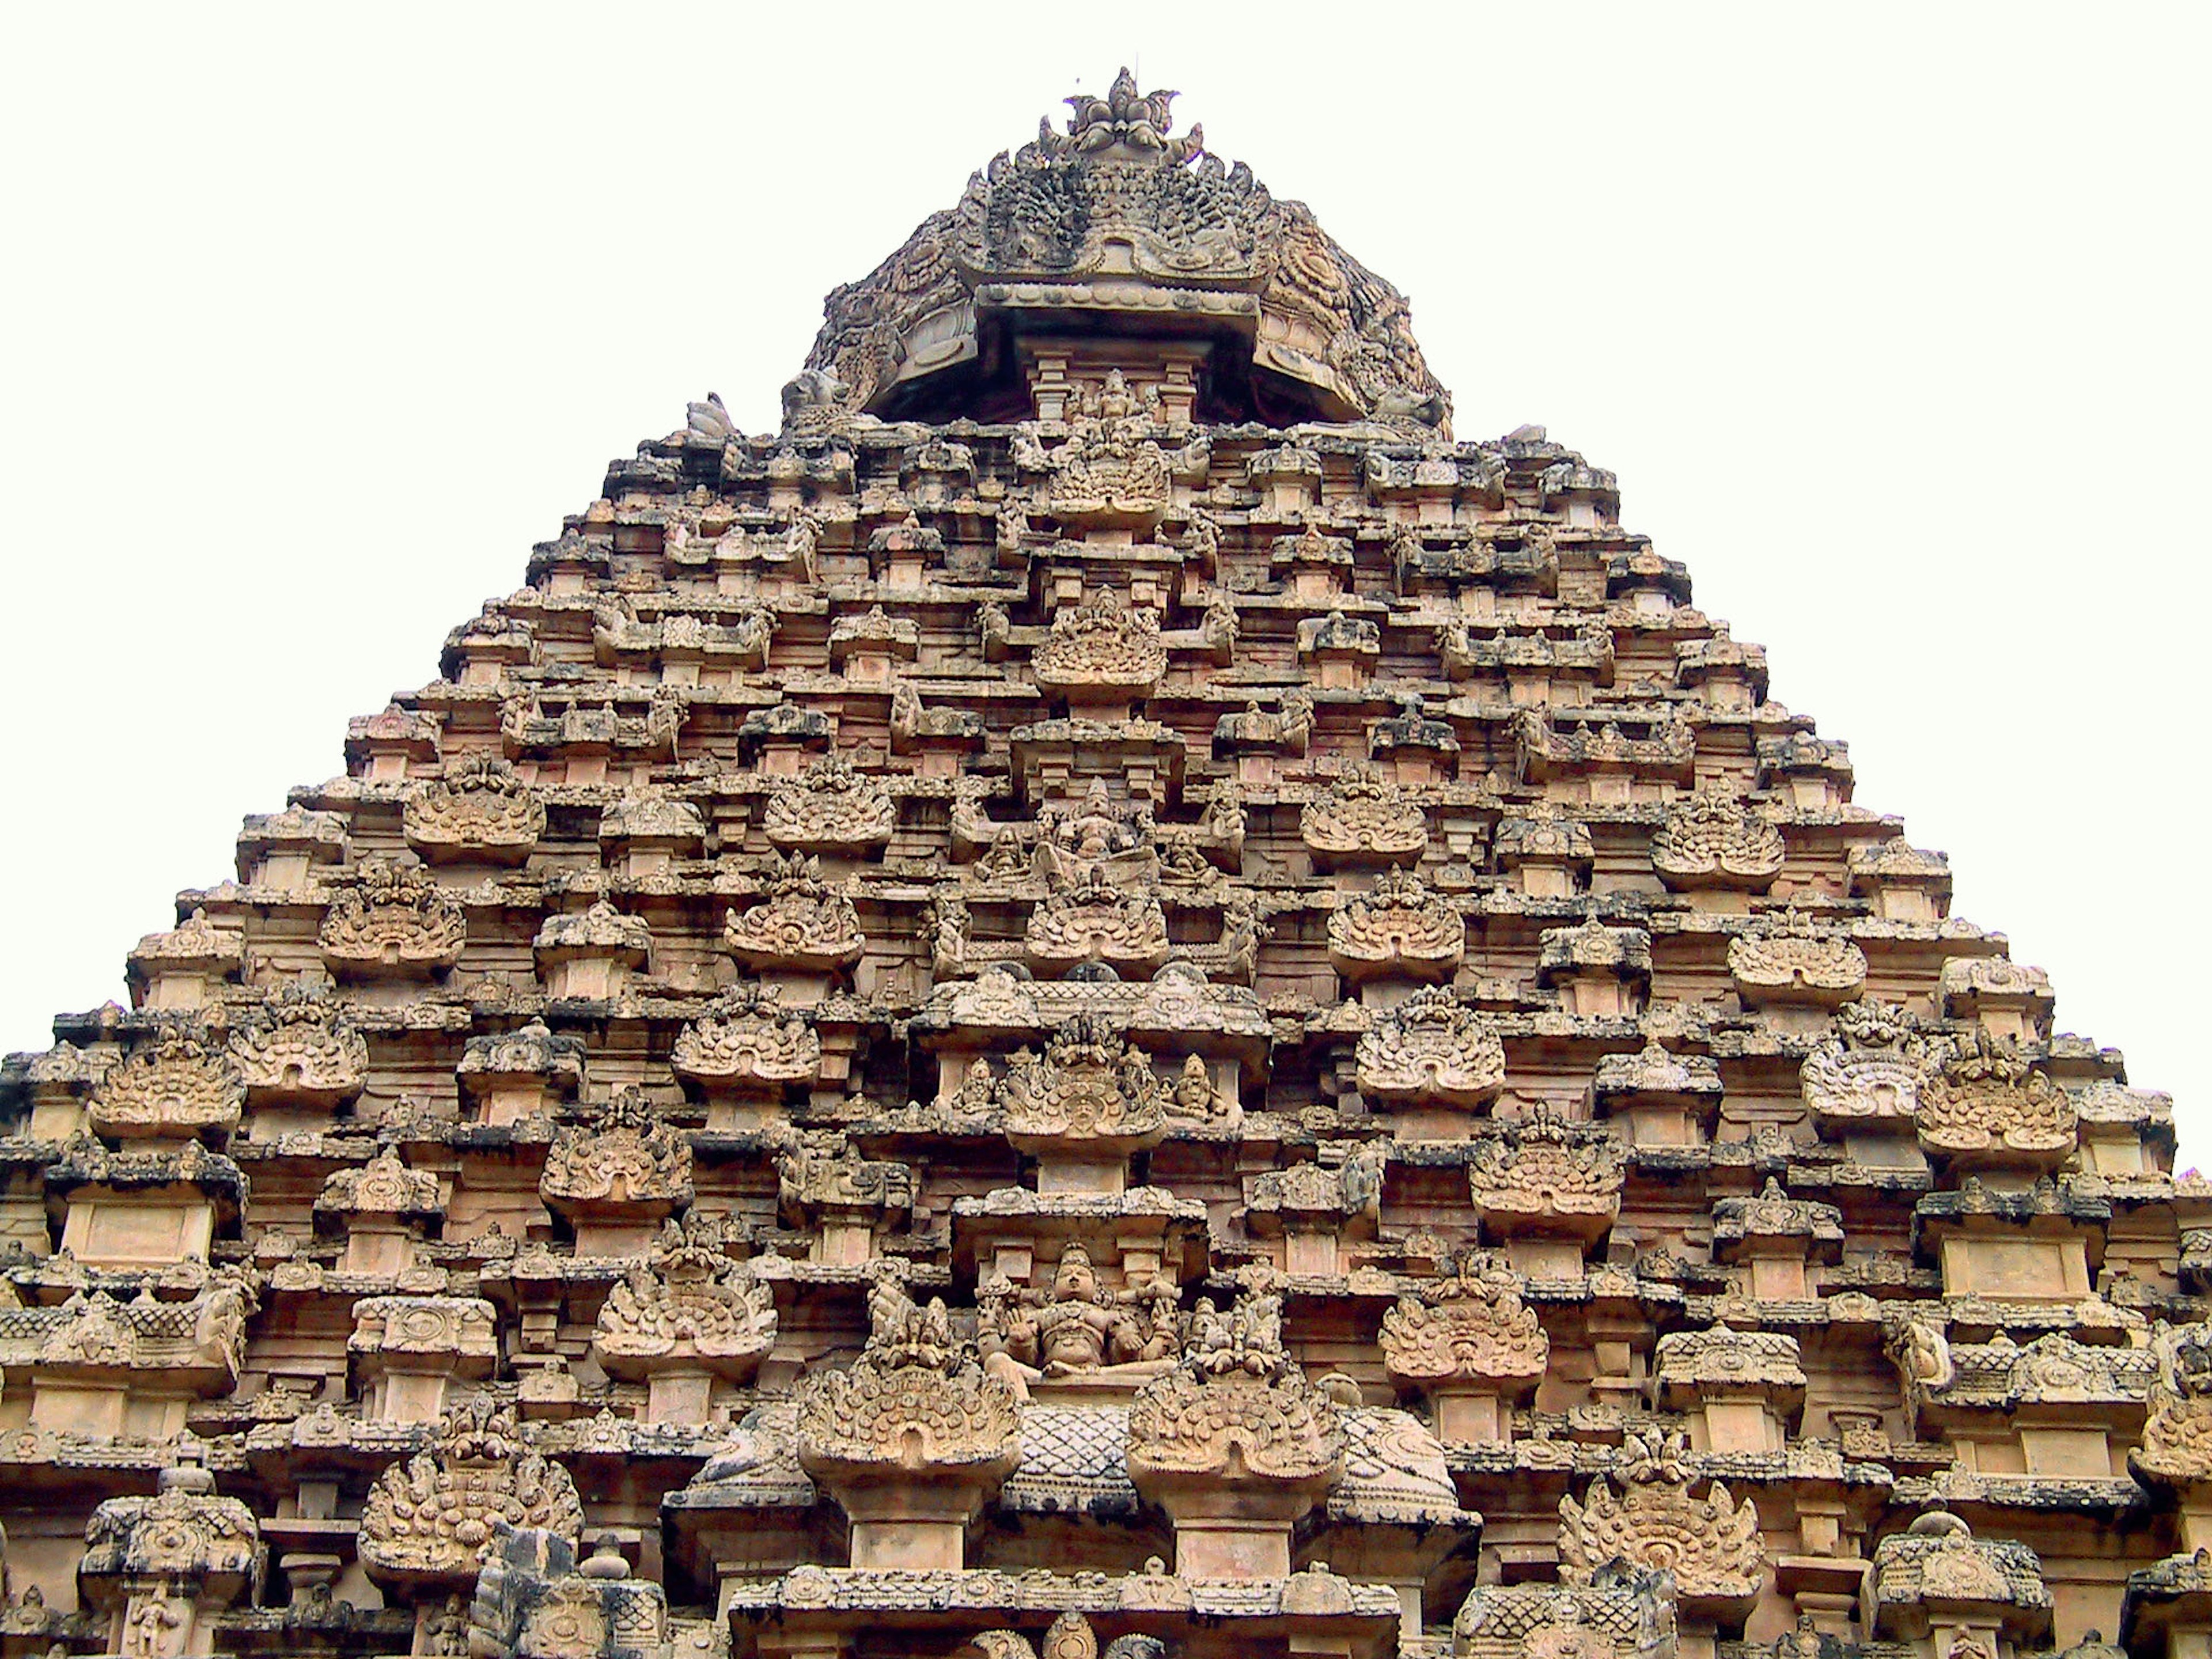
1618	1613
916	1402
1871	1071
1102	649
1544	1174
1364	820
1938	1558
392	922
1710	1543
384	1186
1235	1410
2177	1438
480	810
180	1084
802	923
198	1343
831	808
1091	919
628	1159
432	1519
183	1536
1989	1105
746	1040
1075	1325
1472	1326
1070	1636
1092	1084
687	1305
1398	928
1791	959
1710	841
1432	1049
297	1048
533	1601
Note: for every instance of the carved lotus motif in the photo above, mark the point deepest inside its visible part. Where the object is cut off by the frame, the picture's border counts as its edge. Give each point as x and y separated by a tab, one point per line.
394	922
1101	650
1364	819
1432	1049
1991	1107
630	1160
1400	927
1793	960
297	1050
1710	1543
747	1040
1873	1070
1091	919
803	923
432	1520
481	811
1541	1174
689	1304
831	808
1090	1086
180	1084
1473	1327
1710	841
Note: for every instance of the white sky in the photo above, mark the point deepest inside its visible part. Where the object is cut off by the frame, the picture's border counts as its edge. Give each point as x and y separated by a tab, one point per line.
1891	318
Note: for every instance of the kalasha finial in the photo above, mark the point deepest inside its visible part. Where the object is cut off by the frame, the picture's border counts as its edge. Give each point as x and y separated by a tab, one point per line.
1124	118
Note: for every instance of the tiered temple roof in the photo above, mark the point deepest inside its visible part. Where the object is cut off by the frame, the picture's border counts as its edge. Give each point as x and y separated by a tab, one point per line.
1108	996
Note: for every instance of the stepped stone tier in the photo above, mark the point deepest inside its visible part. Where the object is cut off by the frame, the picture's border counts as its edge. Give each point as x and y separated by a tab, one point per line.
1107	997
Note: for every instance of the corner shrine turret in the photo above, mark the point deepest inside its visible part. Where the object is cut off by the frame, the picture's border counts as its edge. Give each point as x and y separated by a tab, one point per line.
1107	998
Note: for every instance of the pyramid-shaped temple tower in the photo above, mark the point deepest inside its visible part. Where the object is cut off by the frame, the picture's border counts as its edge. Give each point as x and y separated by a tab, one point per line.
1112	997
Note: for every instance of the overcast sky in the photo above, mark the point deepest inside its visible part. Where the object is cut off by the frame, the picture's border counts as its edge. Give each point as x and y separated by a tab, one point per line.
1891	319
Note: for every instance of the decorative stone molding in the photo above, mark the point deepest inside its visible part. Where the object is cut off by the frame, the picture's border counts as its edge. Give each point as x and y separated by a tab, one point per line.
159	1569
184	967
1618	1613
686	1315
1472	1345
1398	929
1235	1443
2011	1001
1666	1099
590	954
747	1048
1712	841
831	808
515	1074
1101	651
533	1601
802	924
1074	1327
1711	1545
394	922
1549	855
1364	820
1430	1050
1791	959
1599	971
430	1523
627	1167
1541	1178
1743	1389
181	1084
1871	1074
408	1349
481	811
1089	920
1938	1584
298	1049
1084	1107
1988	1108
912	1439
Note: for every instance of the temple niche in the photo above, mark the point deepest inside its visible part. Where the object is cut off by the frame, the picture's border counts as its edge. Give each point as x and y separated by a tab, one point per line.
1108	998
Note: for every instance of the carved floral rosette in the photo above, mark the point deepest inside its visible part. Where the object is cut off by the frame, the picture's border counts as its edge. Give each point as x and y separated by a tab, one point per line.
1872	1071
1541	1174
393	921
180	1084
1364	820
1101	650
297	1050
1399	928
1790	959
687	1305
1474	1327
1990	1107
1710	1543
481	810
1710	841
430	1521
2177	1437
1430	1050
746	1042
1091	919
1237	1413
1091	1086
802	923
831	808
916	1402
630	1161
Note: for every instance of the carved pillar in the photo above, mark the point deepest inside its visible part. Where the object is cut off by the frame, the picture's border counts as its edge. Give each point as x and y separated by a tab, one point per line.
158	1568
